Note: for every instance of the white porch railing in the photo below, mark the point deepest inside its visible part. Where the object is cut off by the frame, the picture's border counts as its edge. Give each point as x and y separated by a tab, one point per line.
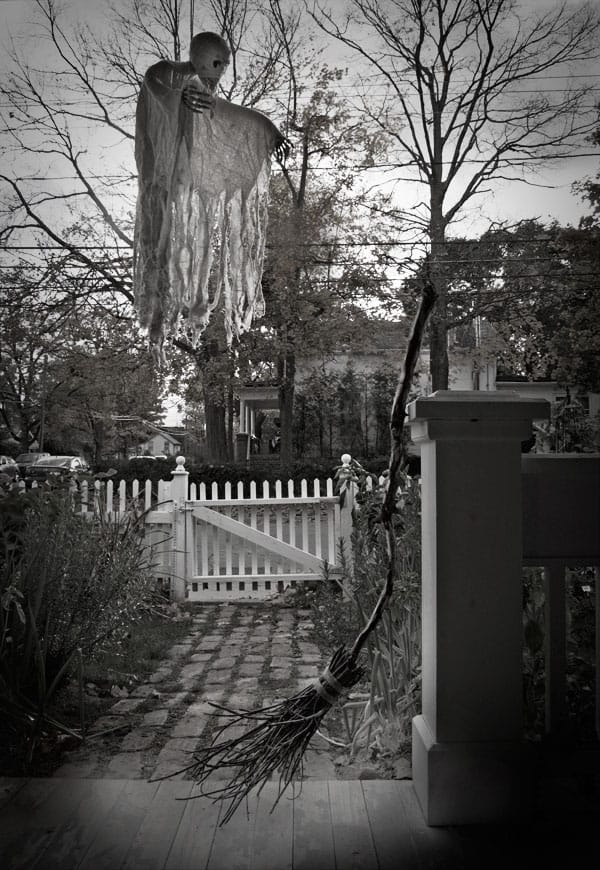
561	531
486	511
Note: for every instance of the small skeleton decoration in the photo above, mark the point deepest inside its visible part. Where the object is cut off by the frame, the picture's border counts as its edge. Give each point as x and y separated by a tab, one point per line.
203	169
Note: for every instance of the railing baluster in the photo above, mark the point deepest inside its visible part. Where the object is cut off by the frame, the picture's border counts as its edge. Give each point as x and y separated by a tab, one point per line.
597	597
555	648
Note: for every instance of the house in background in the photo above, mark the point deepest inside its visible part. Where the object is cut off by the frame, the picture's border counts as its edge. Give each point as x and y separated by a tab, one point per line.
472	352
324	427
471	357
160	442
344	398
555	393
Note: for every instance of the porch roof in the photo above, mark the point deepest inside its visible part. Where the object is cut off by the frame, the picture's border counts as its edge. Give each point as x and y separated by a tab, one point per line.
260	397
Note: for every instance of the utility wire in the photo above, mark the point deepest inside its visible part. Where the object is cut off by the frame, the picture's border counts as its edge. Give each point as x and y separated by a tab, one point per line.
325	262
510	160
370	279
525	240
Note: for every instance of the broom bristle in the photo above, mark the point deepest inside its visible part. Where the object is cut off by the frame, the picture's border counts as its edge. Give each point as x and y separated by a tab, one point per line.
274	740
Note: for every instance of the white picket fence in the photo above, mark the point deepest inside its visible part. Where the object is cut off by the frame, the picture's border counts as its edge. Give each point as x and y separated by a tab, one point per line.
243	541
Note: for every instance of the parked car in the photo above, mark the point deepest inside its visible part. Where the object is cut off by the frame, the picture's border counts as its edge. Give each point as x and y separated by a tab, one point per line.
56	467
24	460
9	467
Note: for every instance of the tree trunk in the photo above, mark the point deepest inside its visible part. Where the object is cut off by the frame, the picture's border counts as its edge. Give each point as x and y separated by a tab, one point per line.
229	433
287	371
438	350
438	324
216	436
214	396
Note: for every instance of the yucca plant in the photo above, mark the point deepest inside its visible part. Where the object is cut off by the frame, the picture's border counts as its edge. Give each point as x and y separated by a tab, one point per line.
68	582
379	720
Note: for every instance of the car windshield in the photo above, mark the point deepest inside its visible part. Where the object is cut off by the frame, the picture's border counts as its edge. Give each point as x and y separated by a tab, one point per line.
56	461
28	457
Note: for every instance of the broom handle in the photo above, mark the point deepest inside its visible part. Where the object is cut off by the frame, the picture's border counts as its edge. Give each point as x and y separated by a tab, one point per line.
397	417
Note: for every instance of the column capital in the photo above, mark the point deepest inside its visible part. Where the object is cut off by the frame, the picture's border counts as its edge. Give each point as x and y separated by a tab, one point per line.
472	414
478	405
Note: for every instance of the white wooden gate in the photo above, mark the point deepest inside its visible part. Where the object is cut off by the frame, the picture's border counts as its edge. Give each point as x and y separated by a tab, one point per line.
208	547
256	546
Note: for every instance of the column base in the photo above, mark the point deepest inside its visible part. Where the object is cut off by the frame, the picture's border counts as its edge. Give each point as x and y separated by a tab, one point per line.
471	783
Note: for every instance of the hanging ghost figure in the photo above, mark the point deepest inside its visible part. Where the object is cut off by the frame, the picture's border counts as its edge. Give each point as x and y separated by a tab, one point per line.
203	175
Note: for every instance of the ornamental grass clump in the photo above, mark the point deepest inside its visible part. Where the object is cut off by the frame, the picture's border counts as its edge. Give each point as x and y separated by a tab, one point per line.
378	720
68	584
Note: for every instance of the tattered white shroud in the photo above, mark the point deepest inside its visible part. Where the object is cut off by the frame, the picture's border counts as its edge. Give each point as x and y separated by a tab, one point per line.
201	210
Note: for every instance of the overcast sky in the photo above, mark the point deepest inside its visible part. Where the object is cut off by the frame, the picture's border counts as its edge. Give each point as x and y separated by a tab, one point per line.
511	202
554	199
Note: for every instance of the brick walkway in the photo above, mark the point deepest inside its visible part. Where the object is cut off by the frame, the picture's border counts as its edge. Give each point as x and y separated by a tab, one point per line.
235	654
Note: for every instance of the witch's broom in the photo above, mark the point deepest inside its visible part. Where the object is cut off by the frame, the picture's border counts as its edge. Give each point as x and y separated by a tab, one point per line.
276	737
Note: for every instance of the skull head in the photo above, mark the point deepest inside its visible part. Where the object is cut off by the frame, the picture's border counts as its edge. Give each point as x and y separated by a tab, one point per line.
209	55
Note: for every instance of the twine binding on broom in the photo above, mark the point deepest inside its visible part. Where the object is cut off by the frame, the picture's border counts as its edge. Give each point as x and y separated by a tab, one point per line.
327	687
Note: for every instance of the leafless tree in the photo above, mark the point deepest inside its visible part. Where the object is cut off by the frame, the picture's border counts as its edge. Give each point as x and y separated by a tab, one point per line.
67	125
467	101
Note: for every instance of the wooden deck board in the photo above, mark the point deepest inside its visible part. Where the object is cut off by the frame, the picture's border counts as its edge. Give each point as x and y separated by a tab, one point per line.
192	845
80	826
389	825
61	824
435	847
353	843
8	789
115	836
232	842
272	837
152	843
313	833
28	822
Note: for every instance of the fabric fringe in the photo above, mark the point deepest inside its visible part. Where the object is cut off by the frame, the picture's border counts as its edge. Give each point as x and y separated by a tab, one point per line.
200	224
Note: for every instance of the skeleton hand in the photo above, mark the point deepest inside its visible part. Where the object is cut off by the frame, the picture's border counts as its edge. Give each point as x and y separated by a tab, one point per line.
197	100
282	149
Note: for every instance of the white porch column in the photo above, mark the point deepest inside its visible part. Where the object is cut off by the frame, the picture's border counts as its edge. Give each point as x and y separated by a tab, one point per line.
469	760
179	496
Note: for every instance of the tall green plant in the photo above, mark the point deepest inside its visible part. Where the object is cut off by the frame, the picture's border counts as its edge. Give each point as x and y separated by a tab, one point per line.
379	720
68	582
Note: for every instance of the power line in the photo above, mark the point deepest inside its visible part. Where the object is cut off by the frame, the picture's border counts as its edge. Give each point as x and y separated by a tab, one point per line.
370	279
325	262
515	161
525	240
341	86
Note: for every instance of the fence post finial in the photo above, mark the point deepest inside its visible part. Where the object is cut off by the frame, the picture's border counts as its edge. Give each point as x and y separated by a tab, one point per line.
179	466
179	495
346	508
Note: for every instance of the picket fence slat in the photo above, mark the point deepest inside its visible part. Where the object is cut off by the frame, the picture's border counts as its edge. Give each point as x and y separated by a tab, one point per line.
293	532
